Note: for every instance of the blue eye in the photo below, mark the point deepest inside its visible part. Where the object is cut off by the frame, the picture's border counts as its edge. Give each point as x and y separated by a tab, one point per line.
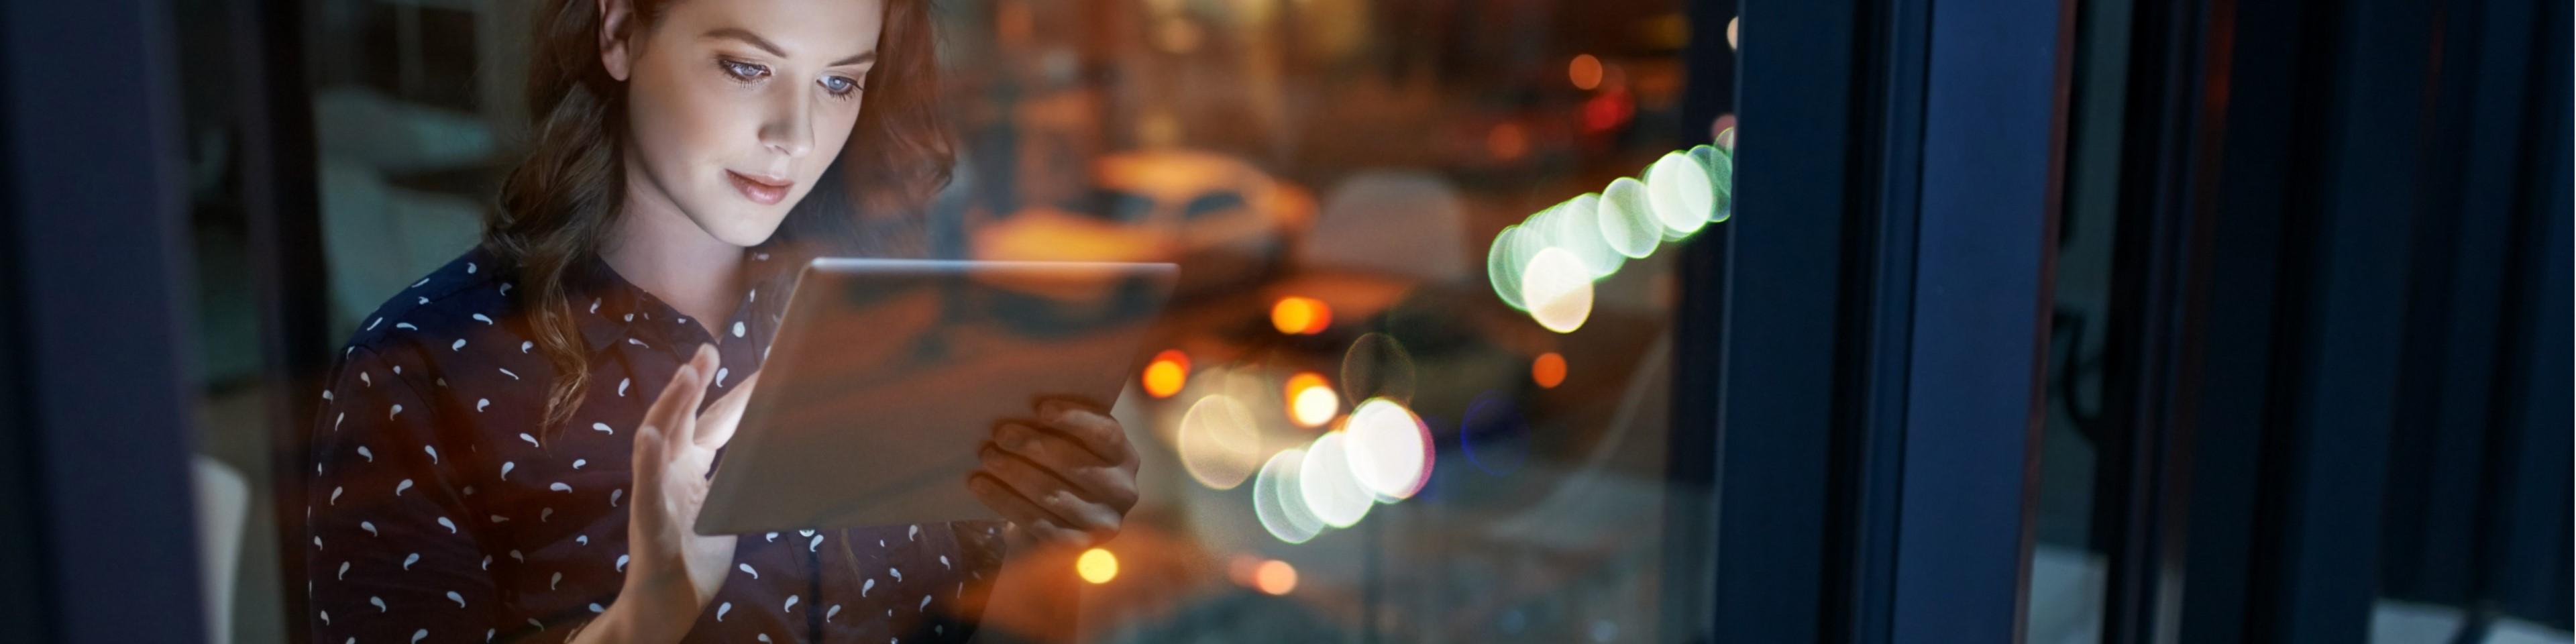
839	85
743	71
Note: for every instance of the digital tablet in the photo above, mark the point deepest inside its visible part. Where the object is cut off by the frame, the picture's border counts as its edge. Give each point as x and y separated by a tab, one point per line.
887	376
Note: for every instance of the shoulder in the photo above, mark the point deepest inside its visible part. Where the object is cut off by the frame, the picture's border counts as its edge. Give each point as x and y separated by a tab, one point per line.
453	322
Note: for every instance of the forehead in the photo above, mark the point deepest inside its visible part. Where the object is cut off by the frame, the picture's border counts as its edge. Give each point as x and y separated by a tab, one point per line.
821	29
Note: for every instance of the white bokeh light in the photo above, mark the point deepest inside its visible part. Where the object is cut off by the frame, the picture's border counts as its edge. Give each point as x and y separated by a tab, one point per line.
1328	485
1389	449
1558	290
1219	443
1279	504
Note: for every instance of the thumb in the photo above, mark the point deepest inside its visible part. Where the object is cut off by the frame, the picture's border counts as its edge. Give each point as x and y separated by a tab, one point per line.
716	427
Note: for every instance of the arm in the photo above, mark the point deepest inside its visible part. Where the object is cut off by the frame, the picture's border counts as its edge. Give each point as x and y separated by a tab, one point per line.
388	553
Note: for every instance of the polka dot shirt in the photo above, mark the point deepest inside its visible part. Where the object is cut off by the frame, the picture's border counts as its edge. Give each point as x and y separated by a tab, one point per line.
440	511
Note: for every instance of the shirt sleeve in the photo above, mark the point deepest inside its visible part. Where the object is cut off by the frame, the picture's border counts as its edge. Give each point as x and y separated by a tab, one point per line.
389	553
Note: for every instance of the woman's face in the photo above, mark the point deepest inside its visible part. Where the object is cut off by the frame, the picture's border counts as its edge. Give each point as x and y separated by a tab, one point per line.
736	106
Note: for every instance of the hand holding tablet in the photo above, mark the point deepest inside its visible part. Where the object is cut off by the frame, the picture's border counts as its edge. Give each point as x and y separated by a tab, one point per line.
907	391
1069	479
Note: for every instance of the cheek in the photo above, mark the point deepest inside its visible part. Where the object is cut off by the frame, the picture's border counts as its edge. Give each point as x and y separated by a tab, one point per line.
832	136
677	120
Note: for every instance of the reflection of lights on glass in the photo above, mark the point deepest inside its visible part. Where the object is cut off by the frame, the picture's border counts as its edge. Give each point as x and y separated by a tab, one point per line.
1607	110
1628	219
1328	485
1585	71
1166	373
1493	435
1299	315
1558	290
1096	566
1277	501
1311	401
1219	443
1502	269
1730	31
1506	141
1677	187
1275	577
1377	366
1577	225
1721	174
1389	449
1548	370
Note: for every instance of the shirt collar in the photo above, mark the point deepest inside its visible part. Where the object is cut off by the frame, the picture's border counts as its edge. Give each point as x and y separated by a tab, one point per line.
609	309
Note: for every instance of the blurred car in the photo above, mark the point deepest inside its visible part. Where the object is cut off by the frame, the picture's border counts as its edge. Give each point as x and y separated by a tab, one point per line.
1224	221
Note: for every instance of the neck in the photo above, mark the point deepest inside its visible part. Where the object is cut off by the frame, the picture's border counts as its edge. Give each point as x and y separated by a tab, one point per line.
657	248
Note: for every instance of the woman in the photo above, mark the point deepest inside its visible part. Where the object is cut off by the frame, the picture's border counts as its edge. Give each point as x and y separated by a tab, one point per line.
493	461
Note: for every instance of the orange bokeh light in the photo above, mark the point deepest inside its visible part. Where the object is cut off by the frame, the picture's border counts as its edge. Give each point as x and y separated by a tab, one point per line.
1585	71
1311	399
1275	577
1298	315
1548	370
1506	141
1165	375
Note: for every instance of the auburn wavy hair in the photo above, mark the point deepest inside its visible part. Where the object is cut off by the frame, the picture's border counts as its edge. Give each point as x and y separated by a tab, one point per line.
558	206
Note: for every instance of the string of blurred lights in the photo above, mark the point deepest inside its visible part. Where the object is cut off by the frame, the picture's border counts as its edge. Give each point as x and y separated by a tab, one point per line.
1546	265
1312	467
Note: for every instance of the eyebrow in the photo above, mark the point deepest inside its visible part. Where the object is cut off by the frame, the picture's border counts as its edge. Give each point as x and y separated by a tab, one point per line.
763	44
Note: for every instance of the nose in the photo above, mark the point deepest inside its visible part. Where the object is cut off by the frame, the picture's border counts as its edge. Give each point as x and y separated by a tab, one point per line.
789	129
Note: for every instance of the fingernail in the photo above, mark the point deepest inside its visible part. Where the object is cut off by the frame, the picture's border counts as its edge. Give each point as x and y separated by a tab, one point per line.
1014	436
1052	408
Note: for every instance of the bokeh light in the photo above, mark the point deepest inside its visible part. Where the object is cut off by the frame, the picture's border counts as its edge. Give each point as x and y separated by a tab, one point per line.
1548	370
1328	485
1577	228
1219	441
1096	566
1166	374
1677	187
1278	502
1721	176
1584	71
1299	315
1389	449
1311	401
1378	366
1628	219
1503	269
1558	290
1275	577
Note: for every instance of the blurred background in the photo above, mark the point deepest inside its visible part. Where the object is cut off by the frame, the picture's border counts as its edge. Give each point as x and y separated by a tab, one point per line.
2088	321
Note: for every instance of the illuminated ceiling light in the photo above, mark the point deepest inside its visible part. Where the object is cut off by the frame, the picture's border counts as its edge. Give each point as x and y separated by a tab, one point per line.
1677	187
1627	221
1389	449
1096	566
1166	374
1277	501
1328	485
1558	290
1548	370
1219	443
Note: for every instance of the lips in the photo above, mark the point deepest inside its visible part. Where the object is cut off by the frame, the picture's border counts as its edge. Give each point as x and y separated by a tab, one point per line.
761	189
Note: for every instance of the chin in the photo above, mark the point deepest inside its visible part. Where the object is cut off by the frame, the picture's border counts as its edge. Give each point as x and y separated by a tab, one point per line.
745	227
